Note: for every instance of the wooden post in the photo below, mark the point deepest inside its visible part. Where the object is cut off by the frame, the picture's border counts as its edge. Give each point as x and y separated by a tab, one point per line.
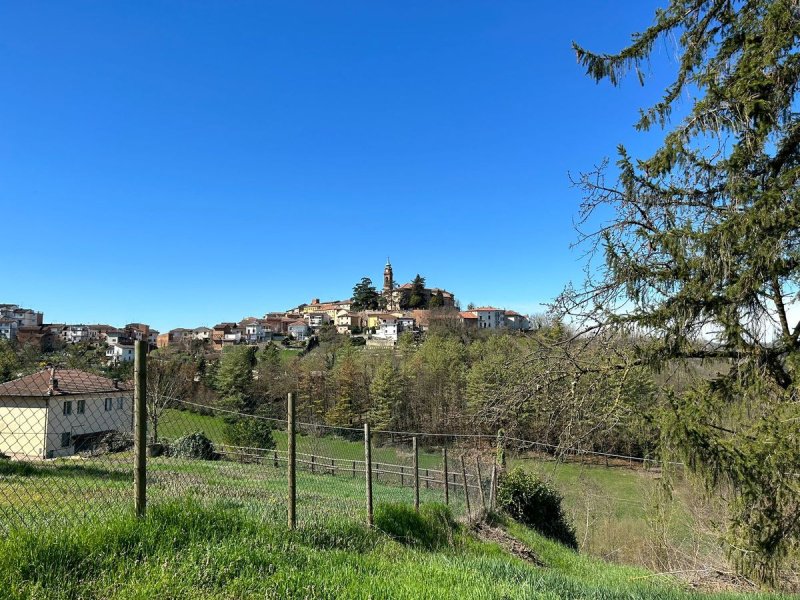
402	476
354	470
415	449
333	467
480	483
368	471
290	461
444	478
493	487
140	427
275	459
466	487
313	462
427	479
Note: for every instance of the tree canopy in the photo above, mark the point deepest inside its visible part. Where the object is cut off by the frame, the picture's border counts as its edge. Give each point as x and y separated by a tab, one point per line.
702	253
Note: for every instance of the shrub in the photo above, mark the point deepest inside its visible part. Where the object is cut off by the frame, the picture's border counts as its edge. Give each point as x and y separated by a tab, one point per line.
534	503
432	527
194	445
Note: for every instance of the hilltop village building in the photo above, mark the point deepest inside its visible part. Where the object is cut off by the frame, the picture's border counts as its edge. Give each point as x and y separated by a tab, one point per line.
56	412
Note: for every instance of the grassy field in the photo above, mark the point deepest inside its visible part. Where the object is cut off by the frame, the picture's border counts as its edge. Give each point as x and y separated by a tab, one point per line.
216	529
619	513
189	550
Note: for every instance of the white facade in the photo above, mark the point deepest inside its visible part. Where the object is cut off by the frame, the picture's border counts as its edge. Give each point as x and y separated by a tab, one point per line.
490	318
202	333
118	353
75	334
25	317
8	329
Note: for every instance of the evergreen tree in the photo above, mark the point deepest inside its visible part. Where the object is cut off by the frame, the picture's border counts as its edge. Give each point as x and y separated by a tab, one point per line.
417	298
365	297
386	391
437	300
703	252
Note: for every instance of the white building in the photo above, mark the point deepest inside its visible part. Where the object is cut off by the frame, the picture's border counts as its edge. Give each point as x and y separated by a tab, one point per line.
75	334
490	317
8	329
119	353
299	330
57	412
317	319
25	317
202	333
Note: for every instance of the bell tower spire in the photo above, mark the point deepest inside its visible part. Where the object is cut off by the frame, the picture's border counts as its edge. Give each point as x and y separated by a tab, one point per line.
388	284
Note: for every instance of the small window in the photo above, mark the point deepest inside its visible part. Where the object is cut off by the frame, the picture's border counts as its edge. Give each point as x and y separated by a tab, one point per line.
66	439
120	402
109	403
81	407
67	408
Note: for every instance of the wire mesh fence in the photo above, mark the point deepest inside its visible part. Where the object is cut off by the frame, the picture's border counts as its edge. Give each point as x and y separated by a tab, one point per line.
69	449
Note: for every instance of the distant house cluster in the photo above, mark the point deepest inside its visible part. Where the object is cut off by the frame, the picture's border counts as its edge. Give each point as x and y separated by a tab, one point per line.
379	327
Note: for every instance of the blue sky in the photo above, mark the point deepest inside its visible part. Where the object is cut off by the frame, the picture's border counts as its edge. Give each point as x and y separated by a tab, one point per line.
184	163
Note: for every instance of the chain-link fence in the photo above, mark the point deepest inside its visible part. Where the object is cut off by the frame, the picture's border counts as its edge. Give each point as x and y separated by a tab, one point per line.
68	450
71	449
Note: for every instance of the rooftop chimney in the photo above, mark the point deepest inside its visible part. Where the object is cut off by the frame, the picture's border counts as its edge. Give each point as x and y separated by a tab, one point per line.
53	381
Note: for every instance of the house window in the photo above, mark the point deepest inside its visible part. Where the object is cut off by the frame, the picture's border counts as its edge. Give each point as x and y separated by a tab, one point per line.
66	439
81	406
67	408
109	403
120	402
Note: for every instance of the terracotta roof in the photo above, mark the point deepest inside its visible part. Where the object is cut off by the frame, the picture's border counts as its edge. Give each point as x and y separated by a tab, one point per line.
485	308
512	313
467	315
303	323
68	382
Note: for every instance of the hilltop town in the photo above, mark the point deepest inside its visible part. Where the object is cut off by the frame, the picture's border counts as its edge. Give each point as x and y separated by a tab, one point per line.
377	317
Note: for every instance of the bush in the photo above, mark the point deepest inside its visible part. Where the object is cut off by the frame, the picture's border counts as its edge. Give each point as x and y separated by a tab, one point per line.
194	445
249	432
534	503
432	527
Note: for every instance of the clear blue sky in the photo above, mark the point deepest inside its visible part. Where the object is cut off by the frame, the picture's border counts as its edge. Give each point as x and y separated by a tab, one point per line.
183	163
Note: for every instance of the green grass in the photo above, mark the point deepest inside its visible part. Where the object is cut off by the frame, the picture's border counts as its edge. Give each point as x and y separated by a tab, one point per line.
188	550
612	508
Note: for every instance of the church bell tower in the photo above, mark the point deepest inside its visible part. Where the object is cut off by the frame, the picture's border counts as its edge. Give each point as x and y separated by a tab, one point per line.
388	284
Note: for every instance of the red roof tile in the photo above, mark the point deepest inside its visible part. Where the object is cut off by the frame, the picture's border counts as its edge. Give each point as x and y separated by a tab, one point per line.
69	382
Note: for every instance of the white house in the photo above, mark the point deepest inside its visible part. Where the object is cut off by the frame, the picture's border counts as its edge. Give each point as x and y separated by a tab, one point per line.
75	334
516	321
317	319
299	330
202	333
119	353
56	412
490	317
8	329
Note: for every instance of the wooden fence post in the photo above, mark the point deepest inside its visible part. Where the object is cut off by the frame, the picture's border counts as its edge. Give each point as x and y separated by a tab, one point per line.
313	462
493	487
466	486
480	483
415	449
354	470
427	479
444	479
368	471
140	427
290	461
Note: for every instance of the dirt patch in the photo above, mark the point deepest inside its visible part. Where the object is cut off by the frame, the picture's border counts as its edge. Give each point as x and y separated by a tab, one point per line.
508	543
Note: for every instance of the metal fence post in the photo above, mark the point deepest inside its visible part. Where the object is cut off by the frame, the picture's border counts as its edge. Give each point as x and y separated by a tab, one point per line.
140	427
445	478
416	472
290	461
368	471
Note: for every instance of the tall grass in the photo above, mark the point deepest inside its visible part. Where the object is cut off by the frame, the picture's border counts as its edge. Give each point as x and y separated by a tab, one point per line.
186	550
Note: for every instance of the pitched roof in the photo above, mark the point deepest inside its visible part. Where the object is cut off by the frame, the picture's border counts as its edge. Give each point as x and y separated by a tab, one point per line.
68	382
485	308
467	315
